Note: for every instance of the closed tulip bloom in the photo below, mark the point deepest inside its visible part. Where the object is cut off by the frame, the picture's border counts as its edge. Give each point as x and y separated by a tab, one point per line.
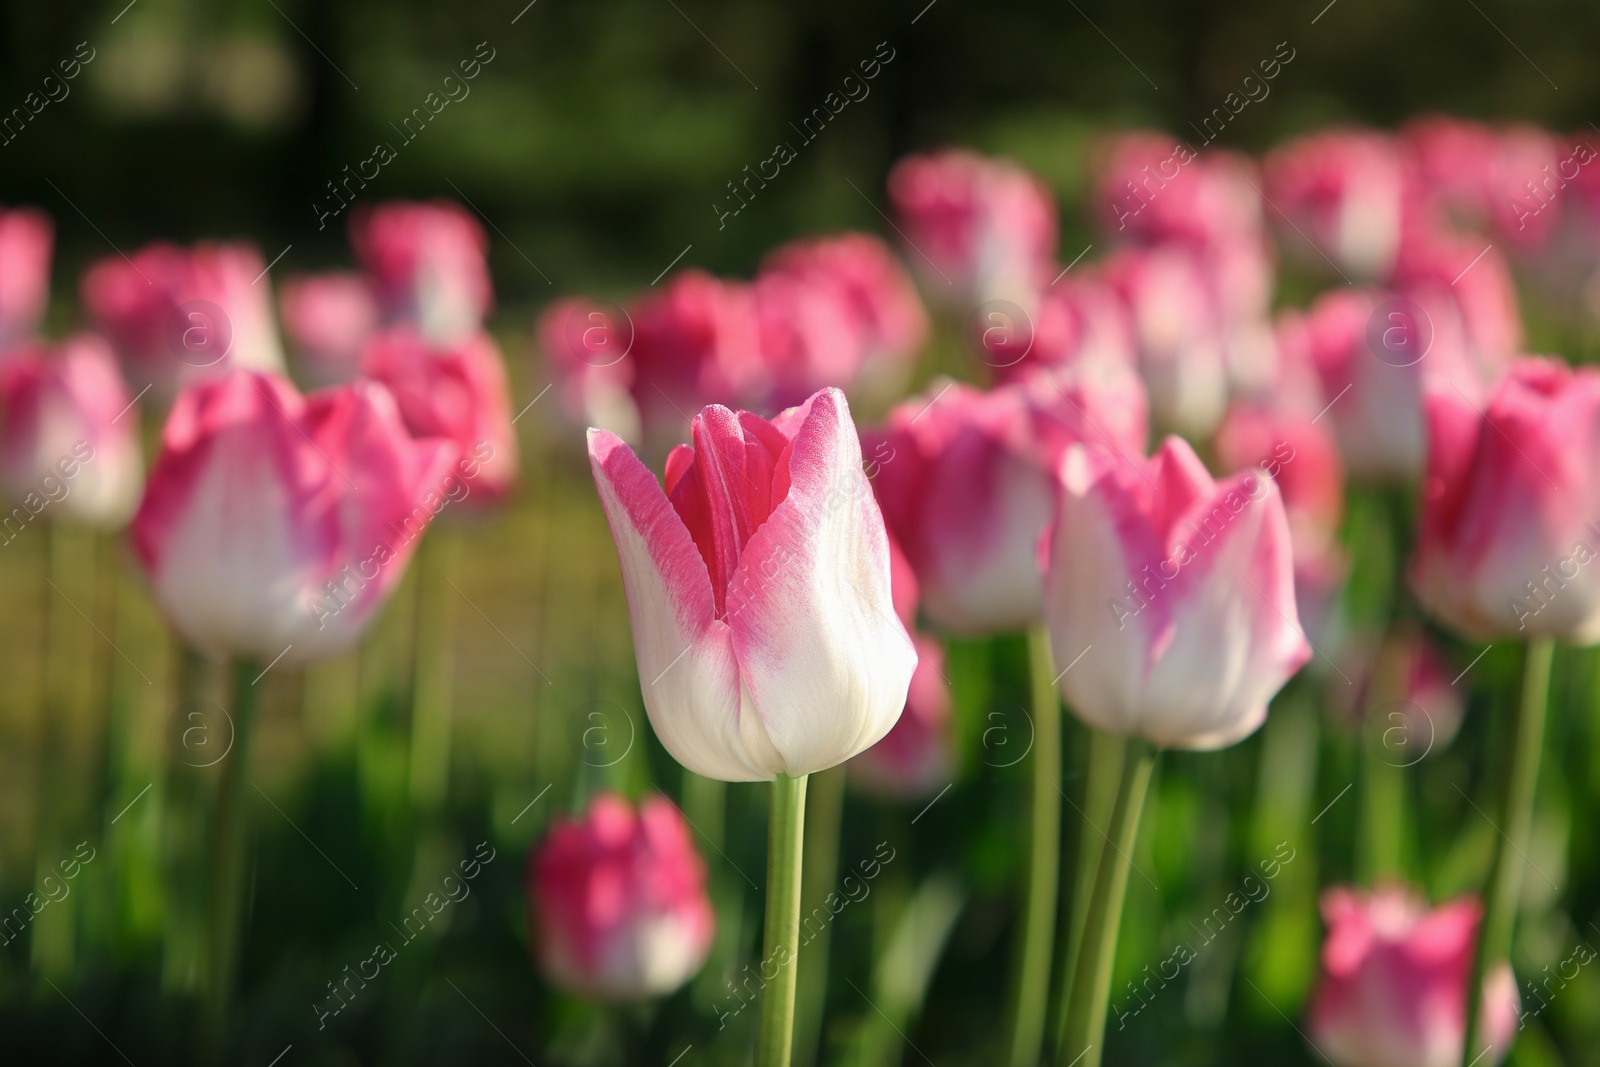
328	317
968	485
1466	289
1178	594
272	520
1346	190
1301	456
587	346
70	433
1511	507
161	311
1505	180
429	262
1155	189
1080	320
977	228
1393	985
458	391
26	240
758	586
617	901
811	337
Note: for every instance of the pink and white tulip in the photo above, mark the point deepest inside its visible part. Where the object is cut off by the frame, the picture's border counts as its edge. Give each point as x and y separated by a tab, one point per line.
758	586
1171	597
1345	191
967	481
459	392
1154	189
275	524
1393	985
429	262
70	428
27	238
1511	507
176	314
978	228
617	901
328	317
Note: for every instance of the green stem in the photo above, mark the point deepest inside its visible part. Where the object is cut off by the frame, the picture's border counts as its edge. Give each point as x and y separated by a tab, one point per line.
1091	987
433	663
1044	858
785	846
1106	756
1511	845
229	854
824	810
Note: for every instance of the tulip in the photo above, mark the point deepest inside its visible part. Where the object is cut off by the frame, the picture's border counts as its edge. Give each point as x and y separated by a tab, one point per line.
917	757
70	429
758	587
458	392
1508	180
587	345
1184	588
810	337
175	315
1346	192
275	524
967	484
978	229
1465	289
1155	189
617	901
1510	507
26	237
1079	320
328	317
1301	457
1393	982
429	263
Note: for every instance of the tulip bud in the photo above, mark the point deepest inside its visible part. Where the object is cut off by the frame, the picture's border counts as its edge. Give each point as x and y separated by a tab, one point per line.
617	901
429	263
70	429
758	586
1393	987
1511	507
273	522
1170	597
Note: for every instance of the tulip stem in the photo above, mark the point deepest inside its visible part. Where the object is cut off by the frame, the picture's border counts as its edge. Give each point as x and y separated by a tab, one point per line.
1044	858
229	855
785	845
1510	849
1091	986
1103	770
825	809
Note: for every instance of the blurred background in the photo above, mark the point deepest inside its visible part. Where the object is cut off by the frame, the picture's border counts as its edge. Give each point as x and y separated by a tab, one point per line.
594	144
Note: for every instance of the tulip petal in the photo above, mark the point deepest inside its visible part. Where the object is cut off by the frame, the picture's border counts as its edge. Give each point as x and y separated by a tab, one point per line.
825	659
687	670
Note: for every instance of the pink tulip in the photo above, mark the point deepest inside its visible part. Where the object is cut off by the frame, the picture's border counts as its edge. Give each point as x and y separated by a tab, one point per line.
1181	333
26	238
967	484
178	314
617	901
1155	189
588	346
810	338
1079	320
1298	454
277	524
429	263
1403	693
1511	504
1466	288
758	586
457	392
71	441
1170	597
917	757
1506	181
328	318
1346	192
978	228
1393	987
874	287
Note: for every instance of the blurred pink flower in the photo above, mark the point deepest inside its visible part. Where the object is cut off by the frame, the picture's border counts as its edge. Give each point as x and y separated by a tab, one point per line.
275	524
1503	182
1078	321
1393	985
26	239
328	317
967	481
1465	288
810	338
176	314
917	757
1153	188
588	346
978	228
1345	190
1511	507
1172	595
1301	457
457	391
70	427
429	263
617	901
758	585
